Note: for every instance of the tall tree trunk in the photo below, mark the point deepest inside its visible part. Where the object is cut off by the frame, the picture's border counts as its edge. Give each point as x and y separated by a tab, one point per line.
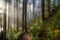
17	16
54	3
33	8
42	10
48	6
4	25
58	3
24	16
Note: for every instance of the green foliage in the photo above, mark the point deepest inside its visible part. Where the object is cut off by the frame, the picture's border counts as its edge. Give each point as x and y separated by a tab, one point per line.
51	25
13	35
35	29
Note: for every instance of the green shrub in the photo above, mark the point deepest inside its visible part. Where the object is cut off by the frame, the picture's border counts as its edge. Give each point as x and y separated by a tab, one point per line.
13	35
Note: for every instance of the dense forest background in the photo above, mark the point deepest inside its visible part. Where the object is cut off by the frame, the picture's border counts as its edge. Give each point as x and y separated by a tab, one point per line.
33	19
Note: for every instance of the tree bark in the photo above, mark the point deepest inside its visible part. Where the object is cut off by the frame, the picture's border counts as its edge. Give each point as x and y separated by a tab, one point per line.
48	6
24	16
17	15
4	25
42	12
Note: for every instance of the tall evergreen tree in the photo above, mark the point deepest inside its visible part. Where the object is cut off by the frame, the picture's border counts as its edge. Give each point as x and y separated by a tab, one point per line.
41	12
17	15
49	6
24	16
4	24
